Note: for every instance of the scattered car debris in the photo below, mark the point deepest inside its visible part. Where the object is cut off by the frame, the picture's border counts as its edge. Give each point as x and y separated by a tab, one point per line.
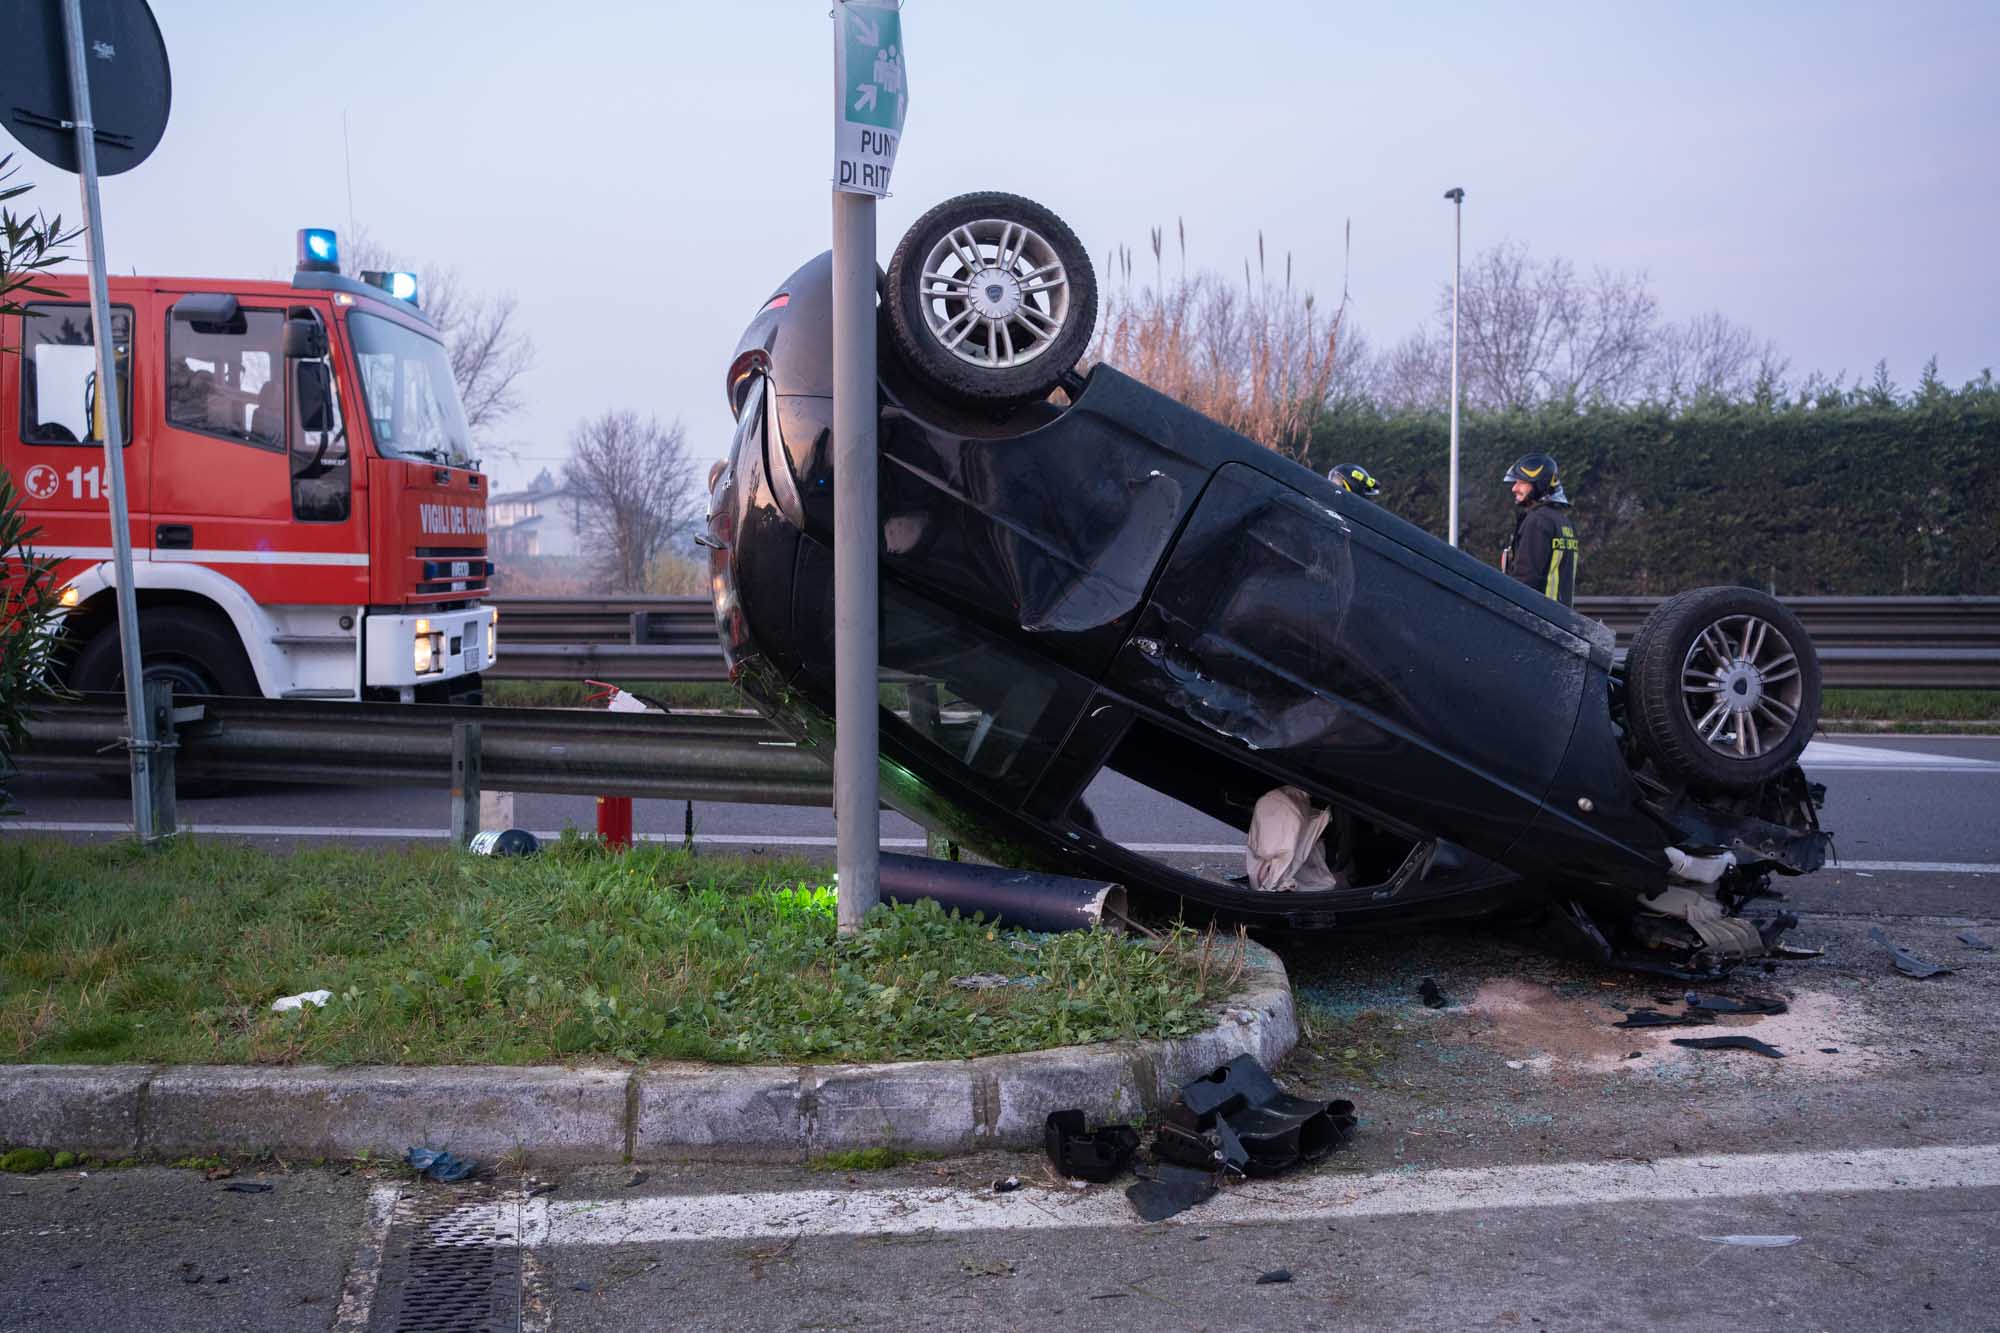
637	1178
439	1165
1233	1121
1653	1018
987	1267
1096	1155
1432	996
1755	1242
504	842
1517	1064
316	998
1007	1185
1746	1004
1906	962
1275	1277
1972	941
248	1186
1735	1043
1829	1050
1165	1189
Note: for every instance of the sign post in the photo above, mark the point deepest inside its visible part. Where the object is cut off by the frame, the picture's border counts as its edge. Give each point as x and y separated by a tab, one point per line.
56	118
871	95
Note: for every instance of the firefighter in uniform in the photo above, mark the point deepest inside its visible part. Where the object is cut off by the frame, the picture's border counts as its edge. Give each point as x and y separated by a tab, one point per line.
1543	551
1355	480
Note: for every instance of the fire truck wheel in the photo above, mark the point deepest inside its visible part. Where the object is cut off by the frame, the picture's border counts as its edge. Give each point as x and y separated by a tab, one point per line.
196	650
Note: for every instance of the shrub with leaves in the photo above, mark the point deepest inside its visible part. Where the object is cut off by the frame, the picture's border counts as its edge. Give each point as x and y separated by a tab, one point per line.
30	244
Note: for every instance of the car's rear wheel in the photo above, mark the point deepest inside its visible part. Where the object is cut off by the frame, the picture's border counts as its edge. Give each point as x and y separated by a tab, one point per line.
1723	688
991	298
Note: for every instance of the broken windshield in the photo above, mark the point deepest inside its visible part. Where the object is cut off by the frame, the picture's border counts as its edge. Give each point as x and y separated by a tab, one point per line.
412	398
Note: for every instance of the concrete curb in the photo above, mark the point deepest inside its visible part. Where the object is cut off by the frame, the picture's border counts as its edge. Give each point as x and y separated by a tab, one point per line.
713	1112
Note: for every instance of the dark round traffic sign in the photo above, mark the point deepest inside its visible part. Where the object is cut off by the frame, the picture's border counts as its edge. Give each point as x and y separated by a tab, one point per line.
126	68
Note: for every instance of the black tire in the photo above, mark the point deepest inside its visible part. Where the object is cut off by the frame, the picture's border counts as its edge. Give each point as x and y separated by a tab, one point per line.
1012	303
1722	688
196	649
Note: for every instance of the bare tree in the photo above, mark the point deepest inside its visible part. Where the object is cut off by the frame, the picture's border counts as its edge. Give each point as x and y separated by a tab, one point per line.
633	485
1532	331
1710	357
489	350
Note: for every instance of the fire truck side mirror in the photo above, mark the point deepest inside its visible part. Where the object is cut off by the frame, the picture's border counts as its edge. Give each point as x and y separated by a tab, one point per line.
305	340
312	390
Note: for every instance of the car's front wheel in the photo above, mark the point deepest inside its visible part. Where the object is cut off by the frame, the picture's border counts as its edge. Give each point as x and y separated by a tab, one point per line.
1723	688
991	298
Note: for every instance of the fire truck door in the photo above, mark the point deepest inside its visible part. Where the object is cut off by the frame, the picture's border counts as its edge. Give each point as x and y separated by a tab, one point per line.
223	469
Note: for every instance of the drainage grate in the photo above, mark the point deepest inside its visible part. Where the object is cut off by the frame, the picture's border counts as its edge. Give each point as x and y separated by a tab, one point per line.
451	1264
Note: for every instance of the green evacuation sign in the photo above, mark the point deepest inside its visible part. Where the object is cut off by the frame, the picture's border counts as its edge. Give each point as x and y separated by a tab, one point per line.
874	90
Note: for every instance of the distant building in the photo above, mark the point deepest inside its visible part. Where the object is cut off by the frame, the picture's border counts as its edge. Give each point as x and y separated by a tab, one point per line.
541	520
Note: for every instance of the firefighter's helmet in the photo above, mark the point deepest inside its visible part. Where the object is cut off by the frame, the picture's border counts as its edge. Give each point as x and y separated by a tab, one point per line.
1354	479
1538	470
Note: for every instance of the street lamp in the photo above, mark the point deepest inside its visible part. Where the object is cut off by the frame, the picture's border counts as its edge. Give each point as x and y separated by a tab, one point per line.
1457	197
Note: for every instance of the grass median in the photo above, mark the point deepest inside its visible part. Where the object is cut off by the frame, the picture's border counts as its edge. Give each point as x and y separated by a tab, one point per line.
113	954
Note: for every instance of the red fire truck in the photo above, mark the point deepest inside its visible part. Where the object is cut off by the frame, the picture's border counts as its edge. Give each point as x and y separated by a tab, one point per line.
307	517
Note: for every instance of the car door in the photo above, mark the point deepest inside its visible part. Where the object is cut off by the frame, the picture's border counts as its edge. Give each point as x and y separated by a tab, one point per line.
1357	666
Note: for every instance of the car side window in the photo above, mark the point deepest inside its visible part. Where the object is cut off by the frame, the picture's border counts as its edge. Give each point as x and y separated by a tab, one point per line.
59	373
224	379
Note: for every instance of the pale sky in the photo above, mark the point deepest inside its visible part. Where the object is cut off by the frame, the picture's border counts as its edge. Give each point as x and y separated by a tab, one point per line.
641	176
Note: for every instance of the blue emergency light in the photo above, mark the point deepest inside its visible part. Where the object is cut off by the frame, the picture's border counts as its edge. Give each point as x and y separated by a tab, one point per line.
319	250
402	286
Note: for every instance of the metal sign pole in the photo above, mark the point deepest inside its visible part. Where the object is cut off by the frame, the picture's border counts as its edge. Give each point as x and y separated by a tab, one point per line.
871	93
856	772
111	414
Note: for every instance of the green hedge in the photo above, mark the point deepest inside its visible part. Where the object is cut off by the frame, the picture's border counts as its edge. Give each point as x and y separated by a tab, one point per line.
1865	493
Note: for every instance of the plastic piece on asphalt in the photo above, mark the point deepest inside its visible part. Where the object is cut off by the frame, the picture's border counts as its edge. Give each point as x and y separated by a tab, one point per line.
1085	1154
1829	1050
1653	1018
1024	898
1164	1190
1517	1064
504	842
248	1187
1737	1043
1755	1242
1277	1131
316	998
1274	1277
438	1165
1906	962
1007	1186
1433	997
1972	941
1729	1004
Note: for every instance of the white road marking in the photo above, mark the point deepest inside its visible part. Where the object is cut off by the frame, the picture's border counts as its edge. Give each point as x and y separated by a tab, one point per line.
793	840
662	1219
1835	755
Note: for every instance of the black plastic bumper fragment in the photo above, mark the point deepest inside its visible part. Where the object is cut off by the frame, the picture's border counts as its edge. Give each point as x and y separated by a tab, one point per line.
1738	1043
1275	1130
1096	1155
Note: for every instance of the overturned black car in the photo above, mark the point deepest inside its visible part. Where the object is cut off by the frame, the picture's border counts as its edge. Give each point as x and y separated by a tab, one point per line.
1080	574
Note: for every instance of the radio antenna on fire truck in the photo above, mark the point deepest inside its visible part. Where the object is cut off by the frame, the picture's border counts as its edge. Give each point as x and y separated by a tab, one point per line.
347	157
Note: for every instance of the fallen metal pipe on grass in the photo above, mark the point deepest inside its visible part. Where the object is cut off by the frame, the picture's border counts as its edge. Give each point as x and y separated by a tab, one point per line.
1024	898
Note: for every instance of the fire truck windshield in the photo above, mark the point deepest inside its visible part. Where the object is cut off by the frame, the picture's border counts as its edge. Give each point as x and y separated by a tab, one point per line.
413	401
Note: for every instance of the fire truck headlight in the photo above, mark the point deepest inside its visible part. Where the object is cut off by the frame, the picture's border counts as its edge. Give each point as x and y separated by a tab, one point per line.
70	597
429	653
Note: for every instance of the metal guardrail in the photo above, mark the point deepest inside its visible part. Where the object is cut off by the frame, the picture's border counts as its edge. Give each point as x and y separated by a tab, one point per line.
675	756
1863	642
